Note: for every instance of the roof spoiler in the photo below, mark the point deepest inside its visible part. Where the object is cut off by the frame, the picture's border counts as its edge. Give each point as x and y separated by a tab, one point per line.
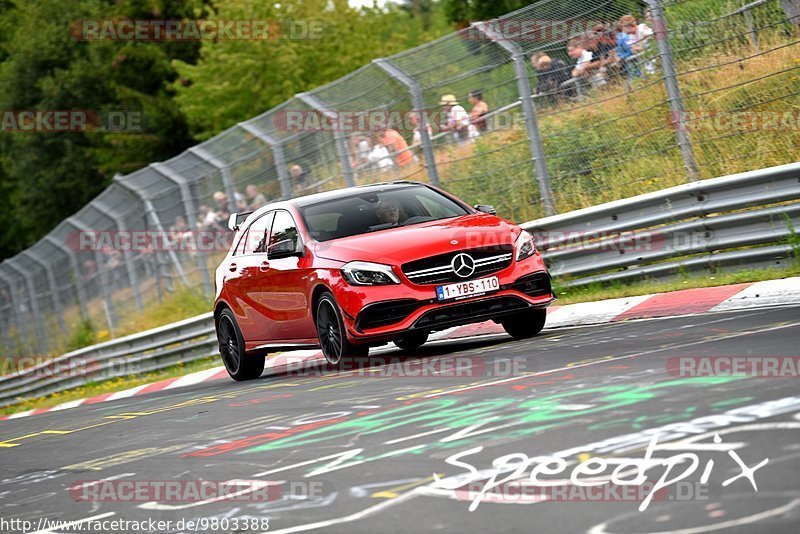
236	219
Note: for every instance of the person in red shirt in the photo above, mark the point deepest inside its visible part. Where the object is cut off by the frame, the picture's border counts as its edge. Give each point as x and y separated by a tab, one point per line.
397	147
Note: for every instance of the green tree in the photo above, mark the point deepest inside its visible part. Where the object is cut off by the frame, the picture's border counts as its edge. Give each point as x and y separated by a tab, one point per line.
235	79
45	177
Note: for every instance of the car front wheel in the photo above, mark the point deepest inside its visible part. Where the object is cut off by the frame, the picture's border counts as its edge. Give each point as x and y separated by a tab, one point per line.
239	365
526	324
330	330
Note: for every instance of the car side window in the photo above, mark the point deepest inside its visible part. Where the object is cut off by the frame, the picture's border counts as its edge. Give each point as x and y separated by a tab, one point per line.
240	245
283	240
258	234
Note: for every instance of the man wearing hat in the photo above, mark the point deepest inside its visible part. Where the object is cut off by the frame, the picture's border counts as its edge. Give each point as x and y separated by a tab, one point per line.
457	118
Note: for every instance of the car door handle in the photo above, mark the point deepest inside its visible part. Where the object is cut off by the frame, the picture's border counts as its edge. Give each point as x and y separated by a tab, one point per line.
232	267
264	267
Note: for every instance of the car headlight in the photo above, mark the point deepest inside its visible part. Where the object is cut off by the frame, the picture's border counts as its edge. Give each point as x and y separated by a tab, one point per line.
525	246
364	273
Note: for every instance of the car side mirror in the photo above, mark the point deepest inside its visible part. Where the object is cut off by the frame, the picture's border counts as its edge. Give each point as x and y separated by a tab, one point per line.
285	248
233	222
485	208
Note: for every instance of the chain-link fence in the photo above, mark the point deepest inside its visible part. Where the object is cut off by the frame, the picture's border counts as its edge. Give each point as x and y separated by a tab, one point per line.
561	105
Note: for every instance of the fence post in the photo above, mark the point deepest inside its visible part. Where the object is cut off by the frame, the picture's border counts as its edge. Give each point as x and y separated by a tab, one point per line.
341	143
418	101
674	97
79	289
224	170
528	111
105	288
51	283
133	280
151	211
277	154
15	303
191	215
36	314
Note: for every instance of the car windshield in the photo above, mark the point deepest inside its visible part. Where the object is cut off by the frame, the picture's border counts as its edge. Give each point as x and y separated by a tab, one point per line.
372	211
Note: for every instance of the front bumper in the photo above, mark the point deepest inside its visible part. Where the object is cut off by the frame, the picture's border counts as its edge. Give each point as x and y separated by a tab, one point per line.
380	313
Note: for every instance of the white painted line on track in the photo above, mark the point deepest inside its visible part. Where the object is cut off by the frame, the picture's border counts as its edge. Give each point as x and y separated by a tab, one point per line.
613	360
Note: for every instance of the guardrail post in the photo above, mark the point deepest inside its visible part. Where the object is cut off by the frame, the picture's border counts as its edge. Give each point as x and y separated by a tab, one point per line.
51	282
528	111
224	170
35	312
673	90
418	101
151	211
105	288
277	154
191	215
341	143
14	296
133	279
73	260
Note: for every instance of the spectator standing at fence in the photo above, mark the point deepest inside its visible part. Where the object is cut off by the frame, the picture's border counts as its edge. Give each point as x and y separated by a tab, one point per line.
628	46
585	68
644	36
550	74
477	115
603	43
359	146
379	155
416	137
255	198
221	214
456	118
301	179
397	146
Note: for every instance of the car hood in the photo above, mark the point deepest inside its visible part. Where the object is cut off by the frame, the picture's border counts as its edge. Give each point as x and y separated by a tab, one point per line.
395	246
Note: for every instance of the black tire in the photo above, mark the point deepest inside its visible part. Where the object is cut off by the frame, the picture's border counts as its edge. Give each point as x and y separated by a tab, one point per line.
331	333
526	324
240	366
411	340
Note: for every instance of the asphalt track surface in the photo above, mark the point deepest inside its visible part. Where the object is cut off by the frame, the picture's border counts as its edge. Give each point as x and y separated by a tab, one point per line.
355	451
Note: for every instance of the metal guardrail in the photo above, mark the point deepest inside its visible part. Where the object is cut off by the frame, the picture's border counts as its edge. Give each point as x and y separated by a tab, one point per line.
746	218
687	227
181	342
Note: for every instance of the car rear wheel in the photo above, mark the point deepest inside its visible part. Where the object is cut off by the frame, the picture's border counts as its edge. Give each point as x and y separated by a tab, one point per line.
526	324
239	365
411	340
330	330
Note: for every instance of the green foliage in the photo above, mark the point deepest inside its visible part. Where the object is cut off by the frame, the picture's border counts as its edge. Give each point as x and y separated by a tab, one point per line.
45	177
235	80
83	335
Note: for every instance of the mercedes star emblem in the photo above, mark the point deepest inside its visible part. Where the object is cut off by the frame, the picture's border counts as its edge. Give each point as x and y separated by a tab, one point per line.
463	265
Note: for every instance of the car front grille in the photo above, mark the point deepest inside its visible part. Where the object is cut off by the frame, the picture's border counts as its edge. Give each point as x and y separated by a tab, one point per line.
469	312
439	269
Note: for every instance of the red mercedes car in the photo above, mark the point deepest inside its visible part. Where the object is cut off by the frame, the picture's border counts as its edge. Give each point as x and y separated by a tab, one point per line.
363	266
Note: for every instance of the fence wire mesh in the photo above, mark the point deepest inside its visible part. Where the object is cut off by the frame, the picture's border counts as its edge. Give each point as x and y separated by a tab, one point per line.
625	97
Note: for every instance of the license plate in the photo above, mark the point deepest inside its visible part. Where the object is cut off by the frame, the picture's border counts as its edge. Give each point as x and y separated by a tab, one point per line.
472	288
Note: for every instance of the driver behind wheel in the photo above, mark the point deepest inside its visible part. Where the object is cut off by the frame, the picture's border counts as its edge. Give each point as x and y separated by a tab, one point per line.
388	212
